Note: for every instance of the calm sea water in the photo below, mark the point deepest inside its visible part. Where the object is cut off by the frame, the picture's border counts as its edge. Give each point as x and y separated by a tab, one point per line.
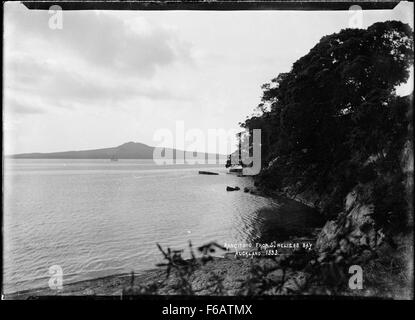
95	217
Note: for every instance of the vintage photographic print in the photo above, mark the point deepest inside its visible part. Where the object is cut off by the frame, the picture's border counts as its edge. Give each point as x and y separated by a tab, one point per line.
208	149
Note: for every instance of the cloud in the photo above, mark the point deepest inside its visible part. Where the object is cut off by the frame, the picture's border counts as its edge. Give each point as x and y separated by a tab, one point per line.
22	107
94	59
115	76
102	40
61	86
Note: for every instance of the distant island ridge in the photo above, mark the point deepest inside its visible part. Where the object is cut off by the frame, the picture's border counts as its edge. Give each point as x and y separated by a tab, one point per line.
129	150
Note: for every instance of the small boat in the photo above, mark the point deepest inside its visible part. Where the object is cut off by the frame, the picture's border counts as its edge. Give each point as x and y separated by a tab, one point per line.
208	173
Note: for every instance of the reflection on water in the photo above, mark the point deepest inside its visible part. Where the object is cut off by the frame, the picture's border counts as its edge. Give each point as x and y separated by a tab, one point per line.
96	217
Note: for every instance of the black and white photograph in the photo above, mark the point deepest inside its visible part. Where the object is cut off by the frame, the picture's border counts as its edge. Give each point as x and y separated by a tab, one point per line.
212	149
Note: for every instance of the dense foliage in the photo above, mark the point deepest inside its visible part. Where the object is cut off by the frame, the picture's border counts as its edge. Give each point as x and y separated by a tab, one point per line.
335	121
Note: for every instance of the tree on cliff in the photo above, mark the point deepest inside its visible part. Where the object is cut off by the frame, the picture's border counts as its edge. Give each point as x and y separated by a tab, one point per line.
335	110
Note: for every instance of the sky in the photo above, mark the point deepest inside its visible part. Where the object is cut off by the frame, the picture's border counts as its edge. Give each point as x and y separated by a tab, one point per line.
110	77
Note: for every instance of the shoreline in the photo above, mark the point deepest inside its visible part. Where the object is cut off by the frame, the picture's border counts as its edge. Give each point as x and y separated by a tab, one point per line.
112	285
235	272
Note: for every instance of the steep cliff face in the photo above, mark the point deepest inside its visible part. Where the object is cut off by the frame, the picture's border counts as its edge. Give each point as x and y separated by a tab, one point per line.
355	237
355	226
354	229
408	169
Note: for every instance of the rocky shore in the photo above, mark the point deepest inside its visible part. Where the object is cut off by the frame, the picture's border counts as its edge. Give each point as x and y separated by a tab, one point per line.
237	276
352	238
